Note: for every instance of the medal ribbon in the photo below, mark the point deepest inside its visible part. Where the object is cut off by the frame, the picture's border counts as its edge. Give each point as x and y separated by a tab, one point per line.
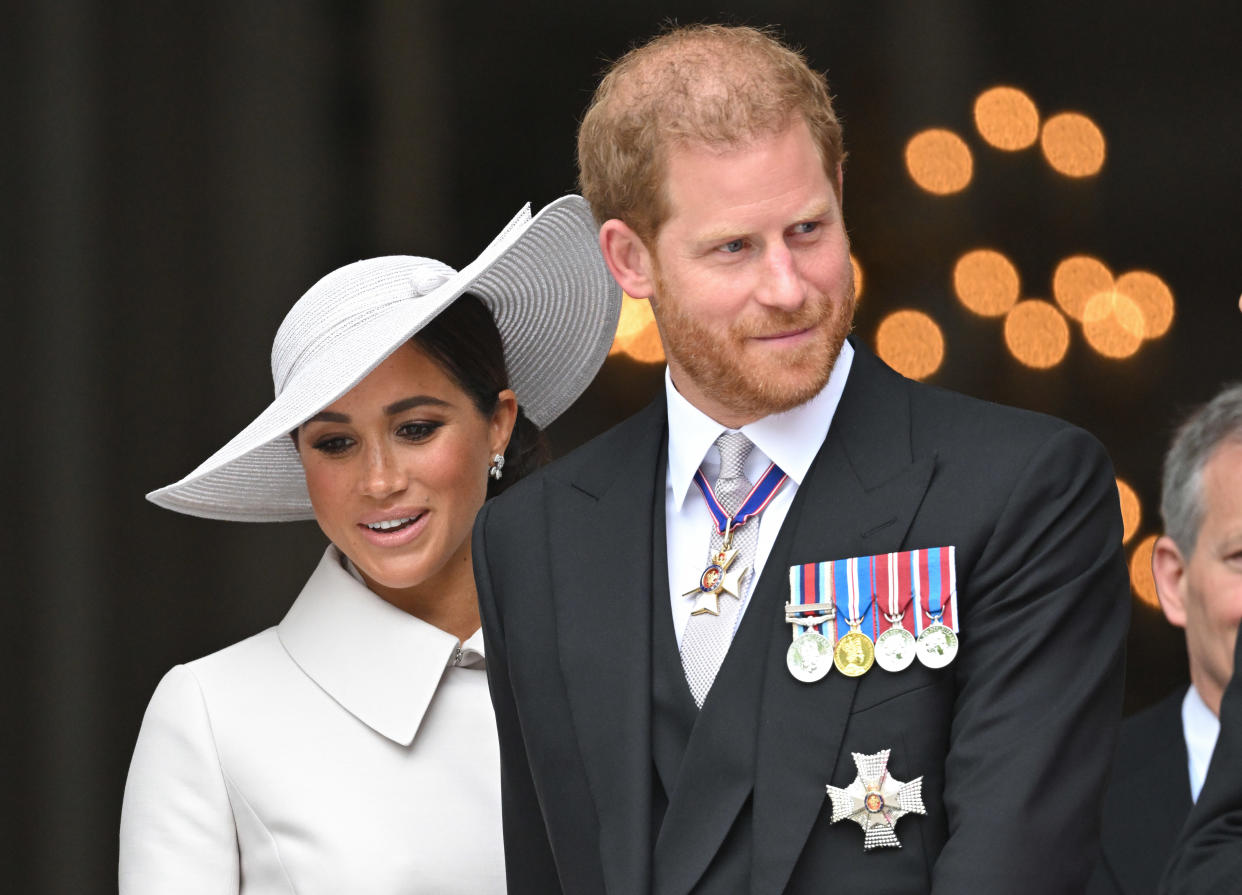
933	571
852	585
756	501
810	584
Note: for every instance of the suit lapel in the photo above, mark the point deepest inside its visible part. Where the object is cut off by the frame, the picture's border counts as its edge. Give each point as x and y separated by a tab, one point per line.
602	574
863	490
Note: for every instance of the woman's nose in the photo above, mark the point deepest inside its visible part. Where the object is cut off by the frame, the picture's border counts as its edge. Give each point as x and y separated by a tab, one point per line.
383	475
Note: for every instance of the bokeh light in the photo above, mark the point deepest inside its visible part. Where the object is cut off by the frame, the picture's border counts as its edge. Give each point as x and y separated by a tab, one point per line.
858	277
637	335
1036	334
1073	144
939	161
1113	324
1131	510
1007	118
986	282
1141	580
1153	297
1076	279
911	343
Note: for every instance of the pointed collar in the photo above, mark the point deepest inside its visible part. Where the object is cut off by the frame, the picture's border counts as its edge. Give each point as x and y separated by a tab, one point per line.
380	664
790	439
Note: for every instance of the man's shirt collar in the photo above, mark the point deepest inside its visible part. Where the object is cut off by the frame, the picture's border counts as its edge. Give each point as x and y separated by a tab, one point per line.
790	439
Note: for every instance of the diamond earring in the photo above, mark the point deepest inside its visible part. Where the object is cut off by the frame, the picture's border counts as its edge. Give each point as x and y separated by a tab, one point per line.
498	464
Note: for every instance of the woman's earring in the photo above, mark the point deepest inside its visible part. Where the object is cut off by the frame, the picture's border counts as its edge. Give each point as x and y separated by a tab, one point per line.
498	463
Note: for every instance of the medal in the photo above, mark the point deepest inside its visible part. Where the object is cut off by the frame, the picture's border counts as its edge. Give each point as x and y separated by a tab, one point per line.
936	576
722	575
876	801
809	657
894	648
937	645
855	652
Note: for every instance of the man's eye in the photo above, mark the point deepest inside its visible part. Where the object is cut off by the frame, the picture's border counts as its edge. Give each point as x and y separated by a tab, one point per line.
733	247
807	227
334	444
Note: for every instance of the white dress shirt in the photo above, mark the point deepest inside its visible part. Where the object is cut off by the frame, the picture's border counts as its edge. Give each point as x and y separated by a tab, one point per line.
790	440
351	748
1201	728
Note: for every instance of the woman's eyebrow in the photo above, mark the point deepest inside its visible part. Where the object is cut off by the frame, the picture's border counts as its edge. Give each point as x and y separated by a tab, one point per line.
329	416
414	401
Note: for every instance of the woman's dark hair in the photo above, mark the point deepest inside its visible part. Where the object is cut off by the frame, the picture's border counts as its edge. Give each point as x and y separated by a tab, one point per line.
464	341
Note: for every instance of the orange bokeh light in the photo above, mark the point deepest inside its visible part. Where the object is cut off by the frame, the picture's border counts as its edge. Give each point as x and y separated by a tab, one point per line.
1113	324
1154	300
939	161
986	282
1141	580
1131	511
637	335
911	343
1036	334
1073	144
1076	279
858	277
1007	118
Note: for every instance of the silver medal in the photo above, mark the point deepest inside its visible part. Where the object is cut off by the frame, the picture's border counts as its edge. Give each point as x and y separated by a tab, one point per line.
894	649
937	646
809	657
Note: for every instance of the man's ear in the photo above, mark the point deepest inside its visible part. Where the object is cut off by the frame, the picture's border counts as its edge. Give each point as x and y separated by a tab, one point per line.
1168	567
626	255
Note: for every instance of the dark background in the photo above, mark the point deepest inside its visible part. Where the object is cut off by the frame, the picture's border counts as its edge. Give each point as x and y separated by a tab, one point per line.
175	176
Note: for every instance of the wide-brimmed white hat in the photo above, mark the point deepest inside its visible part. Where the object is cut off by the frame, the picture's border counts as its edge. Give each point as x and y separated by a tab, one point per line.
543	279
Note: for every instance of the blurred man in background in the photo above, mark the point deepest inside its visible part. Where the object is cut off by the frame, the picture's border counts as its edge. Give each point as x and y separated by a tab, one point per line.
1164	750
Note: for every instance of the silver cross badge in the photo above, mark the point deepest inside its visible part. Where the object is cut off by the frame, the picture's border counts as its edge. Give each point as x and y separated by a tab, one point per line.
875	801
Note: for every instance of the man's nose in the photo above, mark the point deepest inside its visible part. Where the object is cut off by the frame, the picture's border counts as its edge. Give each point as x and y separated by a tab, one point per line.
782	285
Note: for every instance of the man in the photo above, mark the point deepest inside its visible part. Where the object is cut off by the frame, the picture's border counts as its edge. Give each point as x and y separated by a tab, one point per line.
1164	751
1207	858
654	736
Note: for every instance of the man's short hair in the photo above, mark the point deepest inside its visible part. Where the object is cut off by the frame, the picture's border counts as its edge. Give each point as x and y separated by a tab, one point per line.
713	85
1196	440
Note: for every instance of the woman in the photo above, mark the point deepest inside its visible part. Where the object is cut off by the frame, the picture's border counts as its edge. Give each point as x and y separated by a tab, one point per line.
352	747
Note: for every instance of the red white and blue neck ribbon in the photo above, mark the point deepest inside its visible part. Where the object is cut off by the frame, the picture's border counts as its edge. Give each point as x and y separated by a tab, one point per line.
756	501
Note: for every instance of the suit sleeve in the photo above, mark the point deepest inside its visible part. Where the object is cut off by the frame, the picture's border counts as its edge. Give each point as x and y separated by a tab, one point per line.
529	863
1208	853
1038	680
177	829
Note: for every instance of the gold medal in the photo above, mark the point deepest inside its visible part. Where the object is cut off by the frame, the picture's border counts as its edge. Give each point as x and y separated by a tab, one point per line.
855	654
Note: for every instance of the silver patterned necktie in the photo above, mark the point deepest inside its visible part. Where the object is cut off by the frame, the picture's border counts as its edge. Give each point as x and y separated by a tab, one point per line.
707	637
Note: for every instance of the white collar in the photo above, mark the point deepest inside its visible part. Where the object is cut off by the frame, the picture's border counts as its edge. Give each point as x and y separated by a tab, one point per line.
380	664
790	439
1200	727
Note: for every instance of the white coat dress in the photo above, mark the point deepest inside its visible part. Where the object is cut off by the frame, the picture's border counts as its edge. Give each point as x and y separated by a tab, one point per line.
350	749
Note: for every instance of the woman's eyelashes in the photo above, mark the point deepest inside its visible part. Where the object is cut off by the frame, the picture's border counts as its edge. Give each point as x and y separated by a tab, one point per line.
333	444
419	430
413	432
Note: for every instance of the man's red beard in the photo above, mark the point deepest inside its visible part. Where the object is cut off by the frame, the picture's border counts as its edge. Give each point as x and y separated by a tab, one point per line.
724	368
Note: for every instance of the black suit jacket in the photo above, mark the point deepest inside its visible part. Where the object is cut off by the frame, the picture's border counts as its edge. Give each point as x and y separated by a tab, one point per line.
1012	740
1207	857
1146	802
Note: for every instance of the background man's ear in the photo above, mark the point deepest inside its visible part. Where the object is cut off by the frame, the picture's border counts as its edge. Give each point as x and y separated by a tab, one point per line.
1168	567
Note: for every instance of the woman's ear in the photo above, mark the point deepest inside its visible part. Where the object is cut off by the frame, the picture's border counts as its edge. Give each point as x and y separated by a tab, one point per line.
627	256
504	417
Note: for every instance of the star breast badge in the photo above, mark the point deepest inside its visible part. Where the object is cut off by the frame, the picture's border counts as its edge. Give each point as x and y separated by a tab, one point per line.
876	801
